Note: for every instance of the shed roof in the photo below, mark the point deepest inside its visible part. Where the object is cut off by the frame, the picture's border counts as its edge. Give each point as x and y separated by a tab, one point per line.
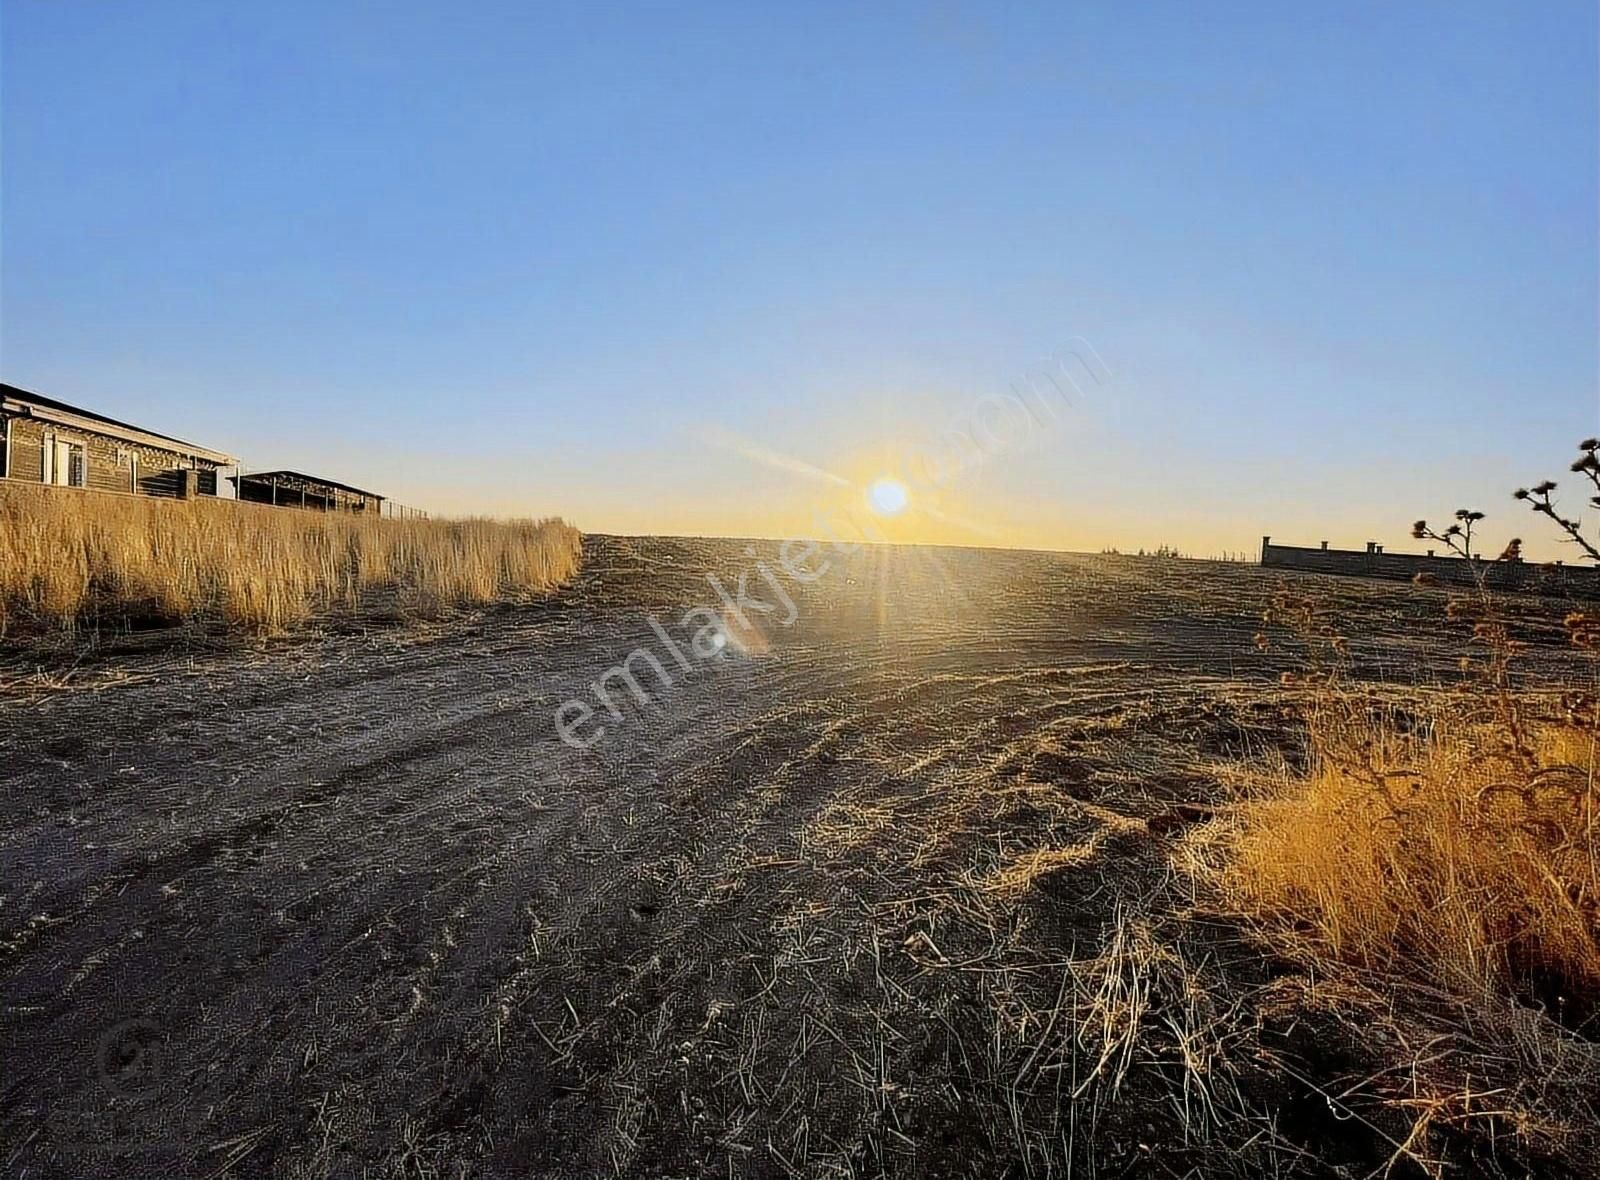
17	399
302	477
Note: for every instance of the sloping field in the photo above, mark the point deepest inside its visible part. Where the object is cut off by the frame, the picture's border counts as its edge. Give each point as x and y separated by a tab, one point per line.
874	892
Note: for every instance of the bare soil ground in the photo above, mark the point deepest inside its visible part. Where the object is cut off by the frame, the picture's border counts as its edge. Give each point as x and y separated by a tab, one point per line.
882	899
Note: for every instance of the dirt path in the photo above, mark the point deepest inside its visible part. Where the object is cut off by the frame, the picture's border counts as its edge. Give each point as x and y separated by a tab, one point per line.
352	908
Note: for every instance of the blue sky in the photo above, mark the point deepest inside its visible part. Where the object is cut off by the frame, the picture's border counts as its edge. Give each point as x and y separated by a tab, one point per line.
525	258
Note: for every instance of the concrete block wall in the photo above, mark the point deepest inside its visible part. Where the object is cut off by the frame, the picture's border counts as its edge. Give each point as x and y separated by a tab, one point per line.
1373	562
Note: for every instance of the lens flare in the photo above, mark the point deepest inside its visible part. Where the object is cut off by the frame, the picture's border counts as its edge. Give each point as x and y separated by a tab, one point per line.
888	497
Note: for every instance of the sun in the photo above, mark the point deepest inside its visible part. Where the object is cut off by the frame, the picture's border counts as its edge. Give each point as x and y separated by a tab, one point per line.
888	497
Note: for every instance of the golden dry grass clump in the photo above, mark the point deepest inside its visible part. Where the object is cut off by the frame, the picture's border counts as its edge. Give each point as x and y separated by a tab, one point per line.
1435	852
71	558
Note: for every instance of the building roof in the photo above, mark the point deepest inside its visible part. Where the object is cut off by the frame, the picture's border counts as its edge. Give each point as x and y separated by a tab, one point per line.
292	477
18	400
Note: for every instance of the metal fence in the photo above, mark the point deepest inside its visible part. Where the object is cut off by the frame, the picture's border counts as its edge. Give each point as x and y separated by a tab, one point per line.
402	512
391	510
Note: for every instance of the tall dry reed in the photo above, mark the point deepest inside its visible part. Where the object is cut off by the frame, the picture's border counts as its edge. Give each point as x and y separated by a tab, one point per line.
70	559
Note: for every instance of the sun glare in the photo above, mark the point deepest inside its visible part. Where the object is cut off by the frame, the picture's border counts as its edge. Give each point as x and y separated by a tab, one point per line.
888	497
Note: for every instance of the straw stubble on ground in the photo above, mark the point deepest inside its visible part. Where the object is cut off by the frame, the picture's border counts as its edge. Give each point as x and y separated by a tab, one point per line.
883	899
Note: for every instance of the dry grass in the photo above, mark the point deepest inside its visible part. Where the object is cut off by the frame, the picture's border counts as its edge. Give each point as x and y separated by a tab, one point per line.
1436	862
74	559
1439	877
1428	851
1021	873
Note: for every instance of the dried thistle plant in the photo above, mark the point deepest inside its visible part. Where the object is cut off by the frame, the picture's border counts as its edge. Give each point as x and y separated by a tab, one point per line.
1539	500
1492	673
